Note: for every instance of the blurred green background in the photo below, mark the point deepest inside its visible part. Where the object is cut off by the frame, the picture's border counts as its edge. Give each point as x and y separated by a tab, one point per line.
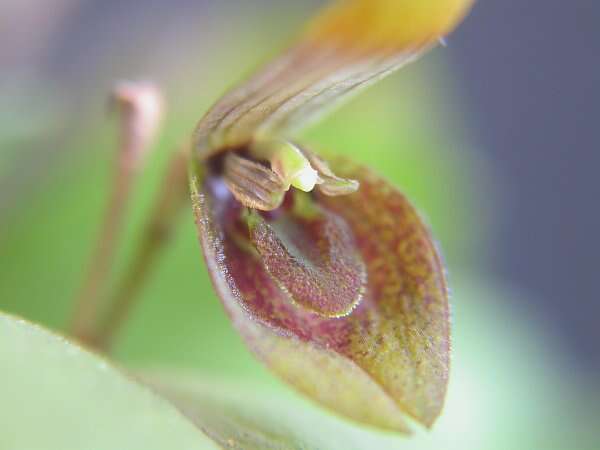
513	383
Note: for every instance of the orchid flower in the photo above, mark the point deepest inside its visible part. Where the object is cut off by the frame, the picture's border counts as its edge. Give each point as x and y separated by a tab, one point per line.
326	270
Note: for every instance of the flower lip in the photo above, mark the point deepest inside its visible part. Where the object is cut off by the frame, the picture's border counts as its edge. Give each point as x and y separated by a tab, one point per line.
393	327
311	255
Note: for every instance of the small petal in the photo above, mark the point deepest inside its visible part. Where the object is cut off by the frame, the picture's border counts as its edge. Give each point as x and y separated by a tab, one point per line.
253	184
389	356
330	184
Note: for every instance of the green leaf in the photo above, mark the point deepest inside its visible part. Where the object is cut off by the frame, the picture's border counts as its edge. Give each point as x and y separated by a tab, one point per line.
248	416
56	396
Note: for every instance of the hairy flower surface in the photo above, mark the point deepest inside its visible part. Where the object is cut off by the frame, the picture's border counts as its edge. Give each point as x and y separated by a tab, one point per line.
326	269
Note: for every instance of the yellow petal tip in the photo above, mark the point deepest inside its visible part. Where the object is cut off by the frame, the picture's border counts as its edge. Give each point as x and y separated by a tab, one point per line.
388	24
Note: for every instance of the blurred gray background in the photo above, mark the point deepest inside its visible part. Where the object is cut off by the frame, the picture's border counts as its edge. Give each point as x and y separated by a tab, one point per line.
530	73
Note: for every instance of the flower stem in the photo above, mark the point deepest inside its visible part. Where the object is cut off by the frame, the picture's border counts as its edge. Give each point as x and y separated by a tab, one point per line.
156	235
88	298
140	109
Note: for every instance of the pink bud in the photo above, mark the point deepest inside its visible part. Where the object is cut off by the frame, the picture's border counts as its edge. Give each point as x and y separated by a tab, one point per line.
141	106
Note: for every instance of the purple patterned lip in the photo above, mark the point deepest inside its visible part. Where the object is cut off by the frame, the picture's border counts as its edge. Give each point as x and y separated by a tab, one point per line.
353	279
